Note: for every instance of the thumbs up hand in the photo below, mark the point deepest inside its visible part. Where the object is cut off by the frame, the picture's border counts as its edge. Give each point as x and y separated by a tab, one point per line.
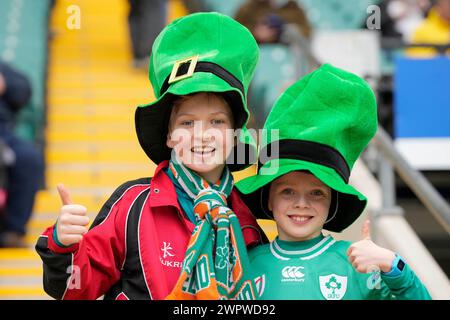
365	256
72	221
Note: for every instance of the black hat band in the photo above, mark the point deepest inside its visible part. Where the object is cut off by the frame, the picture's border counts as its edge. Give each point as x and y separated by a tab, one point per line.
308	151
203	66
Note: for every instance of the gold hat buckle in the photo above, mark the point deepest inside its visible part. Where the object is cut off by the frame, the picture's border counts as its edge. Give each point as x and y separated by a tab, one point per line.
192	64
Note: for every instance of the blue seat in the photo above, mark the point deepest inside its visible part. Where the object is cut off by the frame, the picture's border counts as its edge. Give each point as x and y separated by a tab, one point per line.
422	111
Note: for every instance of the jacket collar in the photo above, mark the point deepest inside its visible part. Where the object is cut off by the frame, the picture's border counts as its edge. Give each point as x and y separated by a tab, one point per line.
305	250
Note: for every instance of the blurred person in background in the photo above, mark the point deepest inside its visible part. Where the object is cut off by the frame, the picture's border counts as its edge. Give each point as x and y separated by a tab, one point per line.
24	173
266	19
435	29
146	19
399	18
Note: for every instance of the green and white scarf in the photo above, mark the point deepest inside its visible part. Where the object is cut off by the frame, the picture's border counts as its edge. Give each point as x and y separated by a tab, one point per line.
216	264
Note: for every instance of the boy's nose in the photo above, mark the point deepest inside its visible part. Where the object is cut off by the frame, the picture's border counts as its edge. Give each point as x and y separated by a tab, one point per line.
199	129
207	136
203	131
301	202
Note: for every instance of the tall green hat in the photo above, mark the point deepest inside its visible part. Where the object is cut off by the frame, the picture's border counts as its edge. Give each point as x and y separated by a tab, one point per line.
325	121
201	52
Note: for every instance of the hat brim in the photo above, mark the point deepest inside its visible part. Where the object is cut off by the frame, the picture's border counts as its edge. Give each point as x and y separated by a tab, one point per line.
152	119
351	202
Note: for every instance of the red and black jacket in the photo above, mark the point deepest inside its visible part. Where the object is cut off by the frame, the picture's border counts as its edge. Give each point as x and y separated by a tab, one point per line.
135	246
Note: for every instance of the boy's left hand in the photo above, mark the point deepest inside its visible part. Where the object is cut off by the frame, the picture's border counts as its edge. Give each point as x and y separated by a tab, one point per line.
365	256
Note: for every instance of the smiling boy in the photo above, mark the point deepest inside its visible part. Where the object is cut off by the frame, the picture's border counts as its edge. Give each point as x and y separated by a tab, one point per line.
141	245
306	190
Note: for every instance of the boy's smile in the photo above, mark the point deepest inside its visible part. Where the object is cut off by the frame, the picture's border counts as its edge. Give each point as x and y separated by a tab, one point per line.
300	203
299	219
203	152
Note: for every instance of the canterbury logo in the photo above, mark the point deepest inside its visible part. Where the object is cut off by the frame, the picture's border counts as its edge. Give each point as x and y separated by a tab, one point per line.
292	273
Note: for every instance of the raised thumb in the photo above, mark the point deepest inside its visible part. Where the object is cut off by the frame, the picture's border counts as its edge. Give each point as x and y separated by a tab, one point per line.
366	230
64	194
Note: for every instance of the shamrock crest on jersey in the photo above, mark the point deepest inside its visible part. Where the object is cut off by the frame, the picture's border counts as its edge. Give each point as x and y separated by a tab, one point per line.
333	287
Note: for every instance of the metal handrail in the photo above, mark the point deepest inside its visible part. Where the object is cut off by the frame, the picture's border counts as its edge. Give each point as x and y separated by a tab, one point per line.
391	230
389	43
301	47
415	180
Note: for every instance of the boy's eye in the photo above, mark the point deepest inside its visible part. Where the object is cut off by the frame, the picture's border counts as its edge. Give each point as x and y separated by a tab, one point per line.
217	121
187	123
317	193
287	191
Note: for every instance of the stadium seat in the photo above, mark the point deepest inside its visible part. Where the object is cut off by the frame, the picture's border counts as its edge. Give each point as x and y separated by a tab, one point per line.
336	14
228	7
275	71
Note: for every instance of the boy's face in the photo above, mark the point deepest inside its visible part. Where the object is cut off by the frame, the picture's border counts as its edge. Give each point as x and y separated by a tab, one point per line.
201	134
300	203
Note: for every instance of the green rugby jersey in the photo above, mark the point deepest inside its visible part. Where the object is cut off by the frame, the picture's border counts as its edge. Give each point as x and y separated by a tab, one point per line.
319	269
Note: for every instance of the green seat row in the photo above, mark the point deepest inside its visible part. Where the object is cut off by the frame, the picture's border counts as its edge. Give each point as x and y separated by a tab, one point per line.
23	44
337	14
323	14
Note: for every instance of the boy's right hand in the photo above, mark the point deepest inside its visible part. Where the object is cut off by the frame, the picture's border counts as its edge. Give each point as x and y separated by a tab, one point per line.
366	256
72	221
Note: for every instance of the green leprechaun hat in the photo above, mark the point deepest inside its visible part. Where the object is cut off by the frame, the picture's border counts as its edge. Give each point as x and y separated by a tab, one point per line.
324	122
201	52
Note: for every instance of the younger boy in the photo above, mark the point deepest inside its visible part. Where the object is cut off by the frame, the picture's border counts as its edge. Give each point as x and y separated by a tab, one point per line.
200	69
325	121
